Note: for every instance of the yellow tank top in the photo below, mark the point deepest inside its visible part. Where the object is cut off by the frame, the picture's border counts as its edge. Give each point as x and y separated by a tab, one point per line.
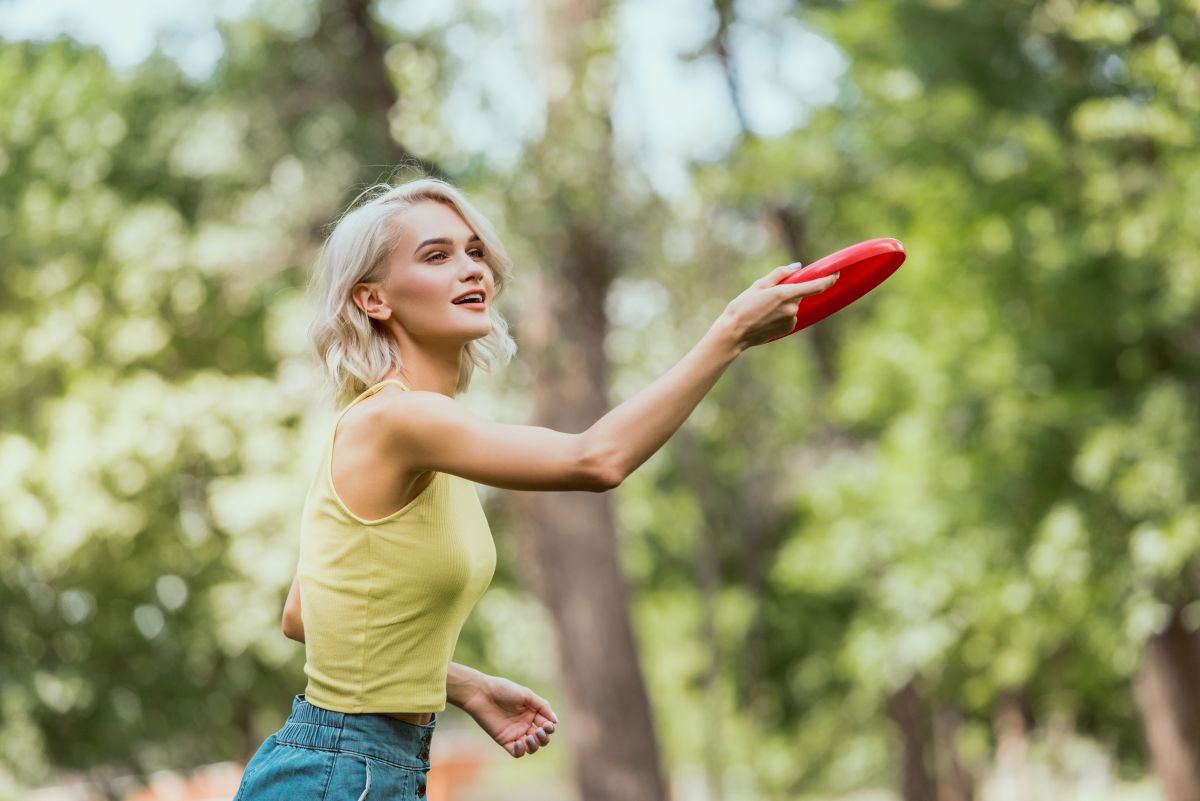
383	601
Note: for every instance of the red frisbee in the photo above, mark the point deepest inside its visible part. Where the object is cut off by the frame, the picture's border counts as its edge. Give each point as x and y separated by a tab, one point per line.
863	267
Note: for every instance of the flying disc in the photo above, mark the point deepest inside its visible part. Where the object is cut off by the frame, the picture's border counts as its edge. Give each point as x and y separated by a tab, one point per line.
863	267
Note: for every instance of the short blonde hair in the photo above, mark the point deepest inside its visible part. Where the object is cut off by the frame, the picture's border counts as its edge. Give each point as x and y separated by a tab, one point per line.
353	351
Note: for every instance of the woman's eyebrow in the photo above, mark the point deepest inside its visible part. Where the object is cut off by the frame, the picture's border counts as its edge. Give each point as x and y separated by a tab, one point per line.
441	240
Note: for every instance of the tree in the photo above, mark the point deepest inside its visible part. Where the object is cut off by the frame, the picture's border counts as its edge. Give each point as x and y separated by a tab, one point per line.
571	541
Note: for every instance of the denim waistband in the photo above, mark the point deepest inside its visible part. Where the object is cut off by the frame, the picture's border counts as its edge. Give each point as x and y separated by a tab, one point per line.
371	734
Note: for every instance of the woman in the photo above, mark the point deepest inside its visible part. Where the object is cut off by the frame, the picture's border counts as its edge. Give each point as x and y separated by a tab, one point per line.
394	546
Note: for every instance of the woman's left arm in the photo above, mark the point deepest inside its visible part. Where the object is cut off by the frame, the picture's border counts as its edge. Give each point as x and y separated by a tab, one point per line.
293	625
515	717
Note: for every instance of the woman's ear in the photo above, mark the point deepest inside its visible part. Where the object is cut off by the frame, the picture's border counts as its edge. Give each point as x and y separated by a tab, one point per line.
366	297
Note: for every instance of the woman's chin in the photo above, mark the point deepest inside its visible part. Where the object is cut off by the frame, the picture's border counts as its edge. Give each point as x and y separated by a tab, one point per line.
479	333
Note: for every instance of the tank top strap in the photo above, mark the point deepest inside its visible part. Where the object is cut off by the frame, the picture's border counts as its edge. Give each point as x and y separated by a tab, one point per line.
371	390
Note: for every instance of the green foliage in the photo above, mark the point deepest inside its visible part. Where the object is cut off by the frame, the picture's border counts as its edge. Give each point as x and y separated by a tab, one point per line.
153	464
1002	491
160	416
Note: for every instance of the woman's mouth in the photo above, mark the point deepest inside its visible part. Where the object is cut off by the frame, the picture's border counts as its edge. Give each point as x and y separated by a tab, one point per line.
473	300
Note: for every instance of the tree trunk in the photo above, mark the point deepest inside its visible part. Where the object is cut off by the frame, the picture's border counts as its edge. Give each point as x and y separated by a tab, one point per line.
907	711
789	220
364	78
569	544
1169	704
954	782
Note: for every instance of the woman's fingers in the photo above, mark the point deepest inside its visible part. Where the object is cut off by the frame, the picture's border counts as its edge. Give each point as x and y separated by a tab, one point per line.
530	743
805	288
544	724
759	314
542	713
775	276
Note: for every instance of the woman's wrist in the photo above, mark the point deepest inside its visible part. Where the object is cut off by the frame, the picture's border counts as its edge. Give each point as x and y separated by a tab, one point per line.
462	683
726	335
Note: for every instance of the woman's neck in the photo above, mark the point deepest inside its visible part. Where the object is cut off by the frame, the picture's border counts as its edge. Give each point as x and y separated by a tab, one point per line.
428	371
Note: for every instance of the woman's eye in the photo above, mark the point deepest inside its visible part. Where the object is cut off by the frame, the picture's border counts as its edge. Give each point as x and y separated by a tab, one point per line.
474	253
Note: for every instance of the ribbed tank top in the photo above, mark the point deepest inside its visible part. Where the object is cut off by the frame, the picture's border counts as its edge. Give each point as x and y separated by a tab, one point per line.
383	601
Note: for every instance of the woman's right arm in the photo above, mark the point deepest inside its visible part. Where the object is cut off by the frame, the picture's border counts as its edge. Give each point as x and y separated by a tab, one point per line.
433	432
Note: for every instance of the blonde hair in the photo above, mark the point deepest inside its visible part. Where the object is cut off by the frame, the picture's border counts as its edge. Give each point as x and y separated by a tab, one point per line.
353	351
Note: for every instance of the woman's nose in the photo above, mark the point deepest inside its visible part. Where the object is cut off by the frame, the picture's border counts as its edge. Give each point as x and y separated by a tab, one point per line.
474	268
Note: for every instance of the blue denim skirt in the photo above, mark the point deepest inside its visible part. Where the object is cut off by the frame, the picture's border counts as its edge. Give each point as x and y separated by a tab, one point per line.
320	755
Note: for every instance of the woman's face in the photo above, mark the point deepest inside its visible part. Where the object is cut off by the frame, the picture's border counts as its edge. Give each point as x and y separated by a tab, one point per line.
436	259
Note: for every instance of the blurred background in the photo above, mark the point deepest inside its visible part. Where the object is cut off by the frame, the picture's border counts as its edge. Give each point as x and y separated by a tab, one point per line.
943	546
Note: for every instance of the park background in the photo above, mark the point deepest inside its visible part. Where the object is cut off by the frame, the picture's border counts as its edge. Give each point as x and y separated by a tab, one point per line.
942	546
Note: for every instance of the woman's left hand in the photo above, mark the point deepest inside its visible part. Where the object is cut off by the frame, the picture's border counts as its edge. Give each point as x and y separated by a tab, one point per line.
514	716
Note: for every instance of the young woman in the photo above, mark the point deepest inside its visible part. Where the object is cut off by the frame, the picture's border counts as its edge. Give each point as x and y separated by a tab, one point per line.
394	546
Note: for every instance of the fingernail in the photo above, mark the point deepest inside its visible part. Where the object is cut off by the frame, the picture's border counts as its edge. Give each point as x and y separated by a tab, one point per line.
549	727
795	265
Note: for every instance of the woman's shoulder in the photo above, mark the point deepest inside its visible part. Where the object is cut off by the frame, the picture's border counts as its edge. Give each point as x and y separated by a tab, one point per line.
396	419
413	406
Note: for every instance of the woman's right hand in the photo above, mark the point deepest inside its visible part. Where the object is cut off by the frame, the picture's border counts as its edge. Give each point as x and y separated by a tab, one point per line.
767	309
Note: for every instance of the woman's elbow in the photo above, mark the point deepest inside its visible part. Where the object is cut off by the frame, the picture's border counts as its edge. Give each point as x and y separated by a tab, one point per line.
601	468
608	478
